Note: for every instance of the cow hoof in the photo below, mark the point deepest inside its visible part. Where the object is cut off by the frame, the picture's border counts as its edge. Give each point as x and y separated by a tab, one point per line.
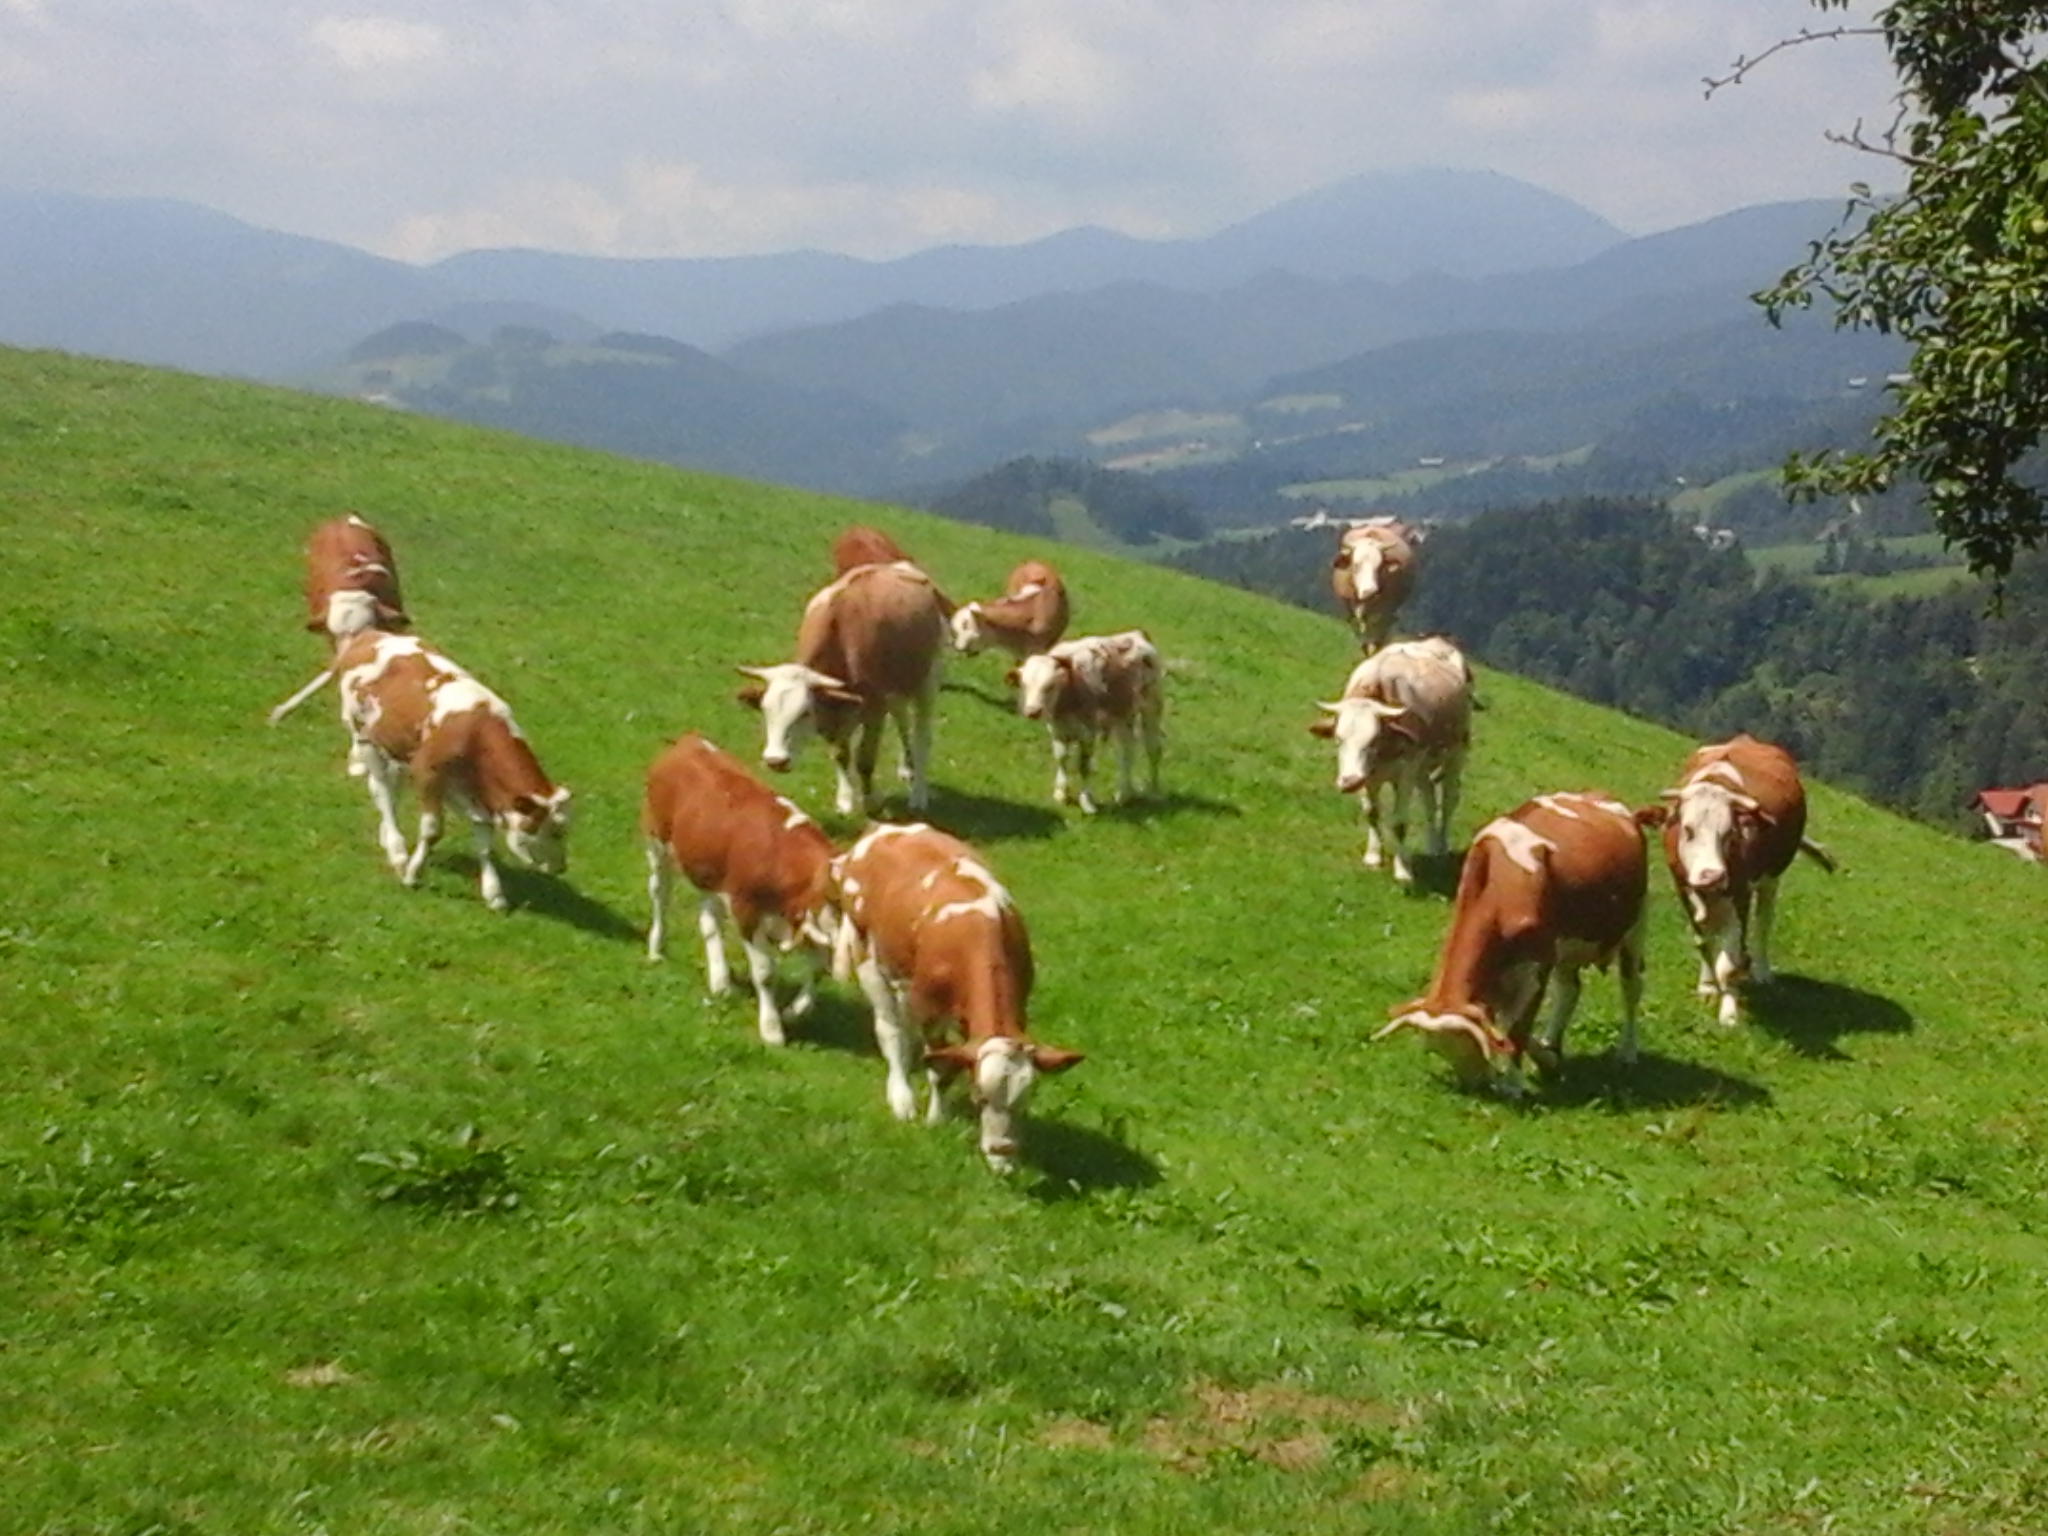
497	904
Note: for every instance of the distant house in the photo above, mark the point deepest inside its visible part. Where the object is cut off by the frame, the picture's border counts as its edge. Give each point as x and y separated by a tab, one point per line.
2013	817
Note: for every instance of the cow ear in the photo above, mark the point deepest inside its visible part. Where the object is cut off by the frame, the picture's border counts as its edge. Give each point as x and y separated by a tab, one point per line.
838	693
1324	726
1653	815
751	695
1050	1058
949	1059
1014	677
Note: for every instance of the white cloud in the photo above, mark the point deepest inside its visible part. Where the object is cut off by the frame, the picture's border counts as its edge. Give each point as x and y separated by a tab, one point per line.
876	126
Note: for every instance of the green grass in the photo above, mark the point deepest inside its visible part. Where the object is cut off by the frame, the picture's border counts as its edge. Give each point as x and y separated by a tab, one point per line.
326	1205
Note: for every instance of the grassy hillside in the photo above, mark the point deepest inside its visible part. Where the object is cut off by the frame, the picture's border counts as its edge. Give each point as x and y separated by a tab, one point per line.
326	1205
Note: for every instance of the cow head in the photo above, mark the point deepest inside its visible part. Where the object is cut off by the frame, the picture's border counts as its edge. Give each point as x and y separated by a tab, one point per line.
1705	826
1363	730
1039	681
1367	556
537	830
795	700
352	612
1005	1069
1463	1037
968	638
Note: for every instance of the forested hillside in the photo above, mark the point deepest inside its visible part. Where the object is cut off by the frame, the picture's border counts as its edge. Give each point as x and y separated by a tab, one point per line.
1915	701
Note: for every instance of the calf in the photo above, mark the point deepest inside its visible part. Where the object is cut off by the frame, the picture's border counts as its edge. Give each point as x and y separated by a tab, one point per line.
1027	619
862	545
941	949
870	646
752	853
1372	574
1732	827
1404	722
1548	889
1099	685
407	706
351	586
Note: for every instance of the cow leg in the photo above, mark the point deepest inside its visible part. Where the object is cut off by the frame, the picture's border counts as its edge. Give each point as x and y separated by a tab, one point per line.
482	836
919	744
761	968
379	774
1126	733
1760	931
846	796
806	997
659	874
1155	744
1450	780
867	749
1083	748
1629	972
717	976
898	1043
1404	795
1369	807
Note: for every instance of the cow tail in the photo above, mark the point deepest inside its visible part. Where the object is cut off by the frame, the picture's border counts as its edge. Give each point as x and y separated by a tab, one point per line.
1818	854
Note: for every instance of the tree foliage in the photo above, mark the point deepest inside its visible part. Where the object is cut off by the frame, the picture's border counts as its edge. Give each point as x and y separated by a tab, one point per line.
1957	266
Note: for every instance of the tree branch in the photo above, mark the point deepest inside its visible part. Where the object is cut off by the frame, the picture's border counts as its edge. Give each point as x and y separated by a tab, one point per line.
1739	70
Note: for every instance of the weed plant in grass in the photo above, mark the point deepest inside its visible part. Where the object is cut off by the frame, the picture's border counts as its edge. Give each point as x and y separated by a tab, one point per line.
330	1205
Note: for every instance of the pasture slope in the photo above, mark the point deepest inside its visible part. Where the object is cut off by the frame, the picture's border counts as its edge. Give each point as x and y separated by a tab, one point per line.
329	1206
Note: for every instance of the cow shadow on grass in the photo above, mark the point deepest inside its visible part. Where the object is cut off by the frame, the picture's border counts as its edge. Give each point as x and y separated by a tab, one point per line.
998	698
986	818
530	891
1172	802
1436	874
1073	1161
835	1023
1811	1016
1651	1081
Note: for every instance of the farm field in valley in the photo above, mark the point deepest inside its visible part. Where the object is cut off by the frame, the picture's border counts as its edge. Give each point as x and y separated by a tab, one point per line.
329	1205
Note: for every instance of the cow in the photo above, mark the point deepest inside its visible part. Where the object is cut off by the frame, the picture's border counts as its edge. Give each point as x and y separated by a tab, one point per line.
1372	574
1404	721
351	586
1029	618
1732	827
862	545
753	854
1553	886
941	950
1085	689
407	706
870	646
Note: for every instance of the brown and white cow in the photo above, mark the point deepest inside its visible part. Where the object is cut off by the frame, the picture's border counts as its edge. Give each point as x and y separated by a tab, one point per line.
1030	616
1086	689
941	950
754	855
862	545
1732	827
1548	889
1372	574
1404	722
406	706
351	586
870	646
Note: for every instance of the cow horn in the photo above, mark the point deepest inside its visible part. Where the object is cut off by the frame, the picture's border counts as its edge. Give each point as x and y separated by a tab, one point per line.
760	673
1330	709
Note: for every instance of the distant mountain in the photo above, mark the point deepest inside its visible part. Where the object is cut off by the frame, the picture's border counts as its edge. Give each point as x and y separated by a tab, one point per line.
1385	227
165	282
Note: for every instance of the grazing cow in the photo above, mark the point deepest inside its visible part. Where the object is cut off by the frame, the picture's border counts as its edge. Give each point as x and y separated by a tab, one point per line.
1731	828
351	586
1372	575
940	950
404	704
1405	722
862	545
752	853
1548	889
870	645
1099	685
1027	619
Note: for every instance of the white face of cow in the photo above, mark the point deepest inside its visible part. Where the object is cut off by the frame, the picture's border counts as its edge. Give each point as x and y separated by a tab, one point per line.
1367	556
1359	728
1705	817
790	693
350	613
537	832
1004	1075
1040	681
966	623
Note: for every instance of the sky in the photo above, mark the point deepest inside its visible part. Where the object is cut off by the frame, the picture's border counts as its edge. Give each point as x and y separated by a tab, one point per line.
879	127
